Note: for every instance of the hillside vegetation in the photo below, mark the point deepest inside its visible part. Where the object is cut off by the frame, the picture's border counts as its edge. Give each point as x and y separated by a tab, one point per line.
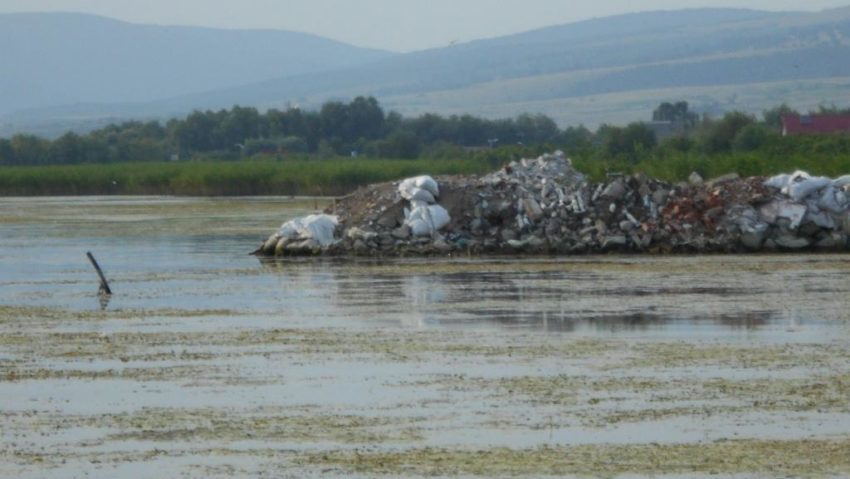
65	59
609	70
345	145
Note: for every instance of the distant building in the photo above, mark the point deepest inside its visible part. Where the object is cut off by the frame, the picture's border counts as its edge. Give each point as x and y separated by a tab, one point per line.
815	125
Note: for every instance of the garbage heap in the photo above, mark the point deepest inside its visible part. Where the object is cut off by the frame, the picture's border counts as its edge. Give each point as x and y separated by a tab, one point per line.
545	206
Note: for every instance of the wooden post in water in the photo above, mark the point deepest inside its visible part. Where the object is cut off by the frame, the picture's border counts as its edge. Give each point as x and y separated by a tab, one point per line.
104	285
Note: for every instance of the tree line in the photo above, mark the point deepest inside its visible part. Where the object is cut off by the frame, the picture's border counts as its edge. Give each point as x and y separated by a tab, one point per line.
735	132
362	127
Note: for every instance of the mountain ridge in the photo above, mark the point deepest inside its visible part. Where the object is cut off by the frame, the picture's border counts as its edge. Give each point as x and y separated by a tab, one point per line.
64	58
702	51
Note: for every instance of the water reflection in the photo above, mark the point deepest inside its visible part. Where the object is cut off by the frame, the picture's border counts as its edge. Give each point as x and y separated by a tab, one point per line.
161	255
405	294
103	299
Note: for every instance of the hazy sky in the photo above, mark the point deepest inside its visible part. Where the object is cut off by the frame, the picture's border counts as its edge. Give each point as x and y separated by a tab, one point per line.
400	25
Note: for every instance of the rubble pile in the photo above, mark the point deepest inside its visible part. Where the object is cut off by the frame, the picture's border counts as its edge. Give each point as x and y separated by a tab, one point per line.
545	206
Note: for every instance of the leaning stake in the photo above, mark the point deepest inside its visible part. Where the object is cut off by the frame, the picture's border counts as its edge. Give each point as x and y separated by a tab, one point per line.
104	286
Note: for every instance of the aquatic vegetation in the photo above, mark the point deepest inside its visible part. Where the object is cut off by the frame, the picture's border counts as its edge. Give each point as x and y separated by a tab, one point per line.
807	458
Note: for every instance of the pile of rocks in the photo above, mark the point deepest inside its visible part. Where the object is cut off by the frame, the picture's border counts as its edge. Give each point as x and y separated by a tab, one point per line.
545	206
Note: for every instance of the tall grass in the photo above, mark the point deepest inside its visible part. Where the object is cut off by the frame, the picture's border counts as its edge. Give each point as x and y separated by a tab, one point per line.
342	175
215	178
677	166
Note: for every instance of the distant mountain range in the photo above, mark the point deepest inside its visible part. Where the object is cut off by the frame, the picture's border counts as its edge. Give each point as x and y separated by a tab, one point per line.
76	68
61	59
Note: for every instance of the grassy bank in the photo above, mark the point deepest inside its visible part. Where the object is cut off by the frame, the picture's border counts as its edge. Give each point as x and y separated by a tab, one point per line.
342	175
213	178
677	166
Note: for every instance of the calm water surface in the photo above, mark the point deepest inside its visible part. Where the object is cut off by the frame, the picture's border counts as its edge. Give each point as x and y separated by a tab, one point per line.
204	348
192	253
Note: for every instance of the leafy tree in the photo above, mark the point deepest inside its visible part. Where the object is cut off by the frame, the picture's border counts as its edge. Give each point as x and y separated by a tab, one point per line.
237	126
750	138
334	120
773	116
628	142
679	143
30	149
400	144
718	136
196	132
536	129
7	152
677	113
365	118
576	138
293	144
428	128
471	131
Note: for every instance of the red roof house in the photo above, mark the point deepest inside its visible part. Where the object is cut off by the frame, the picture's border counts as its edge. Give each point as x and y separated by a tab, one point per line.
815	125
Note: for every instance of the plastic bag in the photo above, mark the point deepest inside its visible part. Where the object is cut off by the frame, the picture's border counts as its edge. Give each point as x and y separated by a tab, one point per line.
800	189
842	182
428	184
317	227
420	195
426	220
420	188
833	200
779	181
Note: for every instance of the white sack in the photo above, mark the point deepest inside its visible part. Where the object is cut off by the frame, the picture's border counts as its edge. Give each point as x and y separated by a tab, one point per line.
420	227
842	182
420	188
425	220
779	181
783	209
802	188
833	200
420	195
439	217
317	227
428	184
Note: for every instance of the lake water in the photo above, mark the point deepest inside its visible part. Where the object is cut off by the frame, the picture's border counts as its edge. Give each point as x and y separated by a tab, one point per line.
208	362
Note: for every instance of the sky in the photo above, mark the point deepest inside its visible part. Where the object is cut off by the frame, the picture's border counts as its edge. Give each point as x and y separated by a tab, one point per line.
397	25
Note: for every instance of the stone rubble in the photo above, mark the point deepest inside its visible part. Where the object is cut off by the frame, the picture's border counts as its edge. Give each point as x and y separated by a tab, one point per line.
545	206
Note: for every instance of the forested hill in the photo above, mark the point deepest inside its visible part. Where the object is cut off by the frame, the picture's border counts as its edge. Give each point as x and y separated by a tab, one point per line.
51	59
689	49
608	70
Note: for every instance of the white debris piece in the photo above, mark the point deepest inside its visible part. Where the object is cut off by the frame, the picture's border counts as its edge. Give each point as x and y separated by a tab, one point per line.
316	227
428	184
356	233
793	212
427	220
421	188
422	196
820	218
779	181
833	200
799	185
842	182
801	188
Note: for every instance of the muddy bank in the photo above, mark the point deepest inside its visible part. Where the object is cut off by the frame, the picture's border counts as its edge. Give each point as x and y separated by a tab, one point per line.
545	206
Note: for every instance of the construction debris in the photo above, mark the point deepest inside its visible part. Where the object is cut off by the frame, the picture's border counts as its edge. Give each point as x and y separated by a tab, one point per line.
545	206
